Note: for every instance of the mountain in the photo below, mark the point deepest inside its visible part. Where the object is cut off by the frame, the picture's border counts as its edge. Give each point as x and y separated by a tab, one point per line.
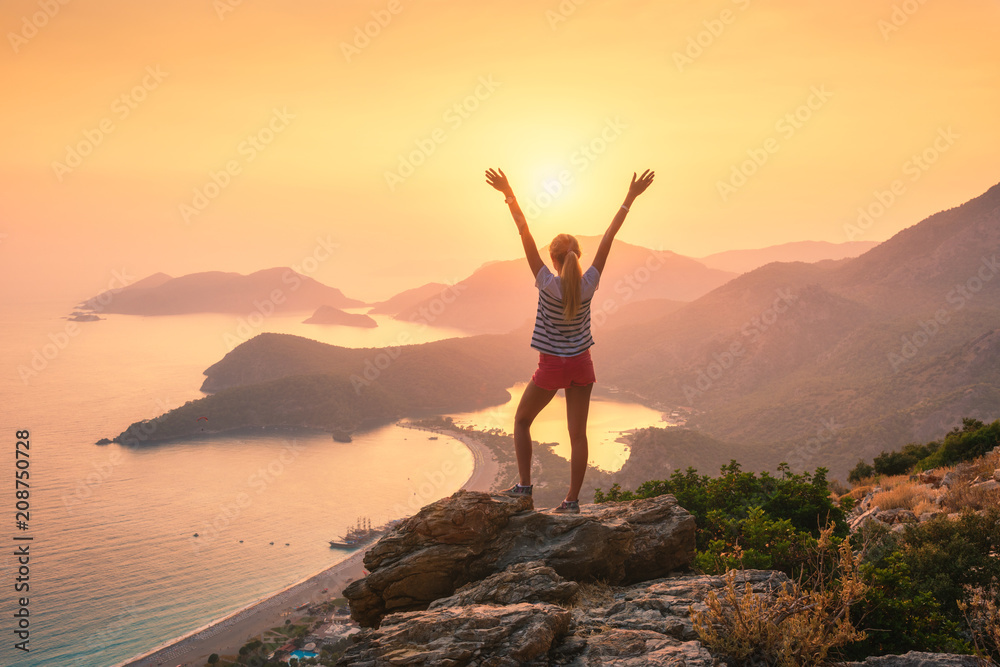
281	380
407	299
500	296
741	261
808	363
270	290
836	361
335	316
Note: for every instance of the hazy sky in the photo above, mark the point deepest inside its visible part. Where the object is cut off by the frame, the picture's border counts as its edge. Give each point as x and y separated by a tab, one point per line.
116	114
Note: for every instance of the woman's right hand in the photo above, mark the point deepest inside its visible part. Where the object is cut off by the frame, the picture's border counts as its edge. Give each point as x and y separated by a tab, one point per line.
499	181
637	187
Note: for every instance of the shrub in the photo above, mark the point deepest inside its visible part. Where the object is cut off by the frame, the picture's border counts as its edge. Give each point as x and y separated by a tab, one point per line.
898	615
797	626
859	472
971	441
766	521
980	609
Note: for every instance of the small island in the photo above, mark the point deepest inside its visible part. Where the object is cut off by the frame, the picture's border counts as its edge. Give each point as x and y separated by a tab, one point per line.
331	315
79	316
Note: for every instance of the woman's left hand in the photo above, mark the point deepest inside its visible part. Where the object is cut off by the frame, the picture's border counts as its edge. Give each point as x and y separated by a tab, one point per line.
637	187
499	181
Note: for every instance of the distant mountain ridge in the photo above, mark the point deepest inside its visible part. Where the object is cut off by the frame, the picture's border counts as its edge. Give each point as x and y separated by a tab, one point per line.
278	289
742	261
847	358
501	296
809	363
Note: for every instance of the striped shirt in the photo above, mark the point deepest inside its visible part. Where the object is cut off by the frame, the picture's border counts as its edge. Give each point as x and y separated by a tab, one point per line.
553	334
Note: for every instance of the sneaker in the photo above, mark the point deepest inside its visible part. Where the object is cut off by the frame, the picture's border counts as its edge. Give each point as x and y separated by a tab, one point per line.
568	507
518	490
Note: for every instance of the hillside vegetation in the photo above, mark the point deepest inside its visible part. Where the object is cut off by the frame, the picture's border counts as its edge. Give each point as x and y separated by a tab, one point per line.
925	580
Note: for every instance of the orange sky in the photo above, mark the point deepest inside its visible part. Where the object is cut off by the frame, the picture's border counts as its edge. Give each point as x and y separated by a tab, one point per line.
161	95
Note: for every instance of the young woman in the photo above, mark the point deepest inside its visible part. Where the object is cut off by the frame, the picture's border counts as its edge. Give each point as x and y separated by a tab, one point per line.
561	336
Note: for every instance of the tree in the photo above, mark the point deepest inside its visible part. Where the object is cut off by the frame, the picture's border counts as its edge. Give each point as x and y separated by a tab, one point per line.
213	659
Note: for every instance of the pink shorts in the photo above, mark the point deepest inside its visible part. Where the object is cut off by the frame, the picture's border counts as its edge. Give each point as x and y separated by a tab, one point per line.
560	372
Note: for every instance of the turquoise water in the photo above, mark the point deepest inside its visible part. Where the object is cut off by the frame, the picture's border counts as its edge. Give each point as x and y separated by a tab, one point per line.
115	568
605	423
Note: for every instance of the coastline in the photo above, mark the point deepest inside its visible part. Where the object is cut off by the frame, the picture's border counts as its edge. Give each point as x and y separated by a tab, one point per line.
226	635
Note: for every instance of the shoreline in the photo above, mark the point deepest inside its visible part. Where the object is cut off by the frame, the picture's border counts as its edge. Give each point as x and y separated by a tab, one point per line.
227	634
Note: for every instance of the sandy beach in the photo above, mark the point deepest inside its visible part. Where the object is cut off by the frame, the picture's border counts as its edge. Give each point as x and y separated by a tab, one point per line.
226	635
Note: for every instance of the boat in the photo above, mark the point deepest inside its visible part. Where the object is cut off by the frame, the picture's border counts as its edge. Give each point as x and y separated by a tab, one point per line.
360	534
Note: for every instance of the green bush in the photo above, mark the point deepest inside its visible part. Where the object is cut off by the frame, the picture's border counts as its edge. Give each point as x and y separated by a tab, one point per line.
970	441
898	615
860	472
745	520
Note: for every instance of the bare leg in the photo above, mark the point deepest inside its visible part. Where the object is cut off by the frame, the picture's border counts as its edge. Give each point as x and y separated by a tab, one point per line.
577	409
533	400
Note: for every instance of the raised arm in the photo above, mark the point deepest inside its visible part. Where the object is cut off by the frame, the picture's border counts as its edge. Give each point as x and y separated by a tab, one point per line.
499	181
636	188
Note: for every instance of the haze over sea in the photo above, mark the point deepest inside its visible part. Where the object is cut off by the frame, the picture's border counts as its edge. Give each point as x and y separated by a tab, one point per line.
115	569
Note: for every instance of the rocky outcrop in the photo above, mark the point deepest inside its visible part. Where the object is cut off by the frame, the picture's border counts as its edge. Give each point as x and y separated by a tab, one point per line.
487	581
524	582
471	536
917	659
641	625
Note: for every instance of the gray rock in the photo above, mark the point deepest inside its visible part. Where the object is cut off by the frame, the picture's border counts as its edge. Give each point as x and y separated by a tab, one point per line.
470	536
896	515
523	582
949	478
988	485
917	659
513	635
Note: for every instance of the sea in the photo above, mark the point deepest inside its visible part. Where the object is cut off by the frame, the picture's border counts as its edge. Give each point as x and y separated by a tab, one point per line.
128	548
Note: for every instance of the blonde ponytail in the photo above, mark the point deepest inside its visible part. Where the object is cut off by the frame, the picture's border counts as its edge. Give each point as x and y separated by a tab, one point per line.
567	249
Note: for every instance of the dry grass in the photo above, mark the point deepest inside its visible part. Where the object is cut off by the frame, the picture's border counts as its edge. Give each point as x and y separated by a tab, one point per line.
983	618
962	496
858	493
909	496
982	467
796	627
